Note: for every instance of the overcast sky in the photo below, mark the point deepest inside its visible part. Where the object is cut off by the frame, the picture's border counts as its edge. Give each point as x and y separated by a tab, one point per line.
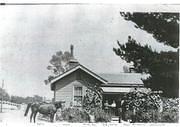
30	35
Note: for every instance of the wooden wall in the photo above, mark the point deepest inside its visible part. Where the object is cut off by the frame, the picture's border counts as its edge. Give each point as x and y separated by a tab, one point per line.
64	87
66	93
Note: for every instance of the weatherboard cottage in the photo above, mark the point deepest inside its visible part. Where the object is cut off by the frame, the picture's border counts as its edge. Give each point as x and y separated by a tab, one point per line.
71	86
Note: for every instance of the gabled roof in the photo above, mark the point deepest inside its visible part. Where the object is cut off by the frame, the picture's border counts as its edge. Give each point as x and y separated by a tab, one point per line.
81	67
123	78
108	80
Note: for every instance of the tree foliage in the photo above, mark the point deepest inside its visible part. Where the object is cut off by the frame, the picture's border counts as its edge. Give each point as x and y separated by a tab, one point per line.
92	99
163	67
163	26
5	95
58	64
143	104
141	100
170	112
20	100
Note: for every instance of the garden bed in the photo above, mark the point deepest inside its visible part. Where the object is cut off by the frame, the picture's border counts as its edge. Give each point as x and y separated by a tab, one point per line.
75	115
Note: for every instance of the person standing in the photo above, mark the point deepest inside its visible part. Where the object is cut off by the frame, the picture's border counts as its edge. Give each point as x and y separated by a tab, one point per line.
113	106
123	108
106	106
119	109
134	114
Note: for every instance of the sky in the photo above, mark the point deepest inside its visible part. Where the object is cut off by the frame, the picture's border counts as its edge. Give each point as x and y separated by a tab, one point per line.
30	35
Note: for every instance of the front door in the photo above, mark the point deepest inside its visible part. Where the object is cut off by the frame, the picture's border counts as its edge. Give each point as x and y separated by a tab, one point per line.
113	101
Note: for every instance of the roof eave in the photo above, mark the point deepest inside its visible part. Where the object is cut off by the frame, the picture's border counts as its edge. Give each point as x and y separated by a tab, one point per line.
121	85
74	69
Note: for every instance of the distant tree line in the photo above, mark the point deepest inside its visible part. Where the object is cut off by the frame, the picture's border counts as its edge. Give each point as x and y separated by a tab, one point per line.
5	95
18	99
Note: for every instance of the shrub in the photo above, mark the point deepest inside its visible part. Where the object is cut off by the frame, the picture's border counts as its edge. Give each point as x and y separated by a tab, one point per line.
169	117
75	115
170	112
150	115
101	116
144	104
92	104
148	107
92	99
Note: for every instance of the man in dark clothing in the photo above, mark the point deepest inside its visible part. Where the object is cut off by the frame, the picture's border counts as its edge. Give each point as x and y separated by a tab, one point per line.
119	109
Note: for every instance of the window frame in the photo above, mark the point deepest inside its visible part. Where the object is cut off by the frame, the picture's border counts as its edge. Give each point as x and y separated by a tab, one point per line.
74	96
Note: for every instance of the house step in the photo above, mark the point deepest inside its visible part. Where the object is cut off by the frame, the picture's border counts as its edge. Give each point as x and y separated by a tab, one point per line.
115	119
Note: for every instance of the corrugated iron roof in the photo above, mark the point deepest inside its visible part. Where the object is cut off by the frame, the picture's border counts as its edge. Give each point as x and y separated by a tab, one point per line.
123	78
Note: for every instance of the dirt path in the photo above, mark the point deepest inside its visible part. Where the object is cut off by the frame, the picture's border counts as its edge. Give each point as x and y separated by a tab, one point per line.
9	117
13	117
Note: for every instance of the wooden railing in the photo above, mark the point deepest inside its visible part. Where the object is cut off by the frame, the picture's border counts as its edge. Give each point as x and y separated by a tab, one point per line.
10	103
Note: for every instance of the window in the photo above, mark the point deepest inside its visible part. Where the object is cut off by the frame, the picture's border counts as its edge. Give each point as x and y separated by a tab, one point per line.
78	96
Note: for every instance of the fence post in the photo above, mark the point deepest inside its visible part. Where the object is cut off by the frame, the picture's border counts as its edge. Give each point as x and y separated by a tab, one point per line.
2	96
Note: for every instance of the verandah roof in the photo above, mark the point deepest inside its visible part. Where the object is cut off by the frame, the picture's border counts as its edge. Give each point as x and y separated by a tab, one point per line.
119	89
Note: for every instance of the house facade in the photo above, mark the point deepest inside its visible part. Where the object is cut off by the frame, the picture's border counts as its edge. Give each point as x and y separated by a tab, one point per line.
70	87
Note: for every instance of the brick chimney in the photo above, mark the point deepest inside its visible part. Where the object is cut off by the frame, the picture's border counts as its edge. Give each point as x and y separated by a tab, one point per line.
72	50
132	70
72	62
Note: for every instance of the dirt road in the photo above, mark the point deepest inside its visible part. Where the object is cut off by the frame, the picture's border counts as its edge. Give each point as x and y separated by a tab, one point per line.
13	117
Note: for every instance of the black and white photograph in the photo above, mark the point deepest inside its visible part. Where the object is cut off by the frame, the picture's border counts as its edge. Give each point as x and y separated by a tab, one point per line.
89	63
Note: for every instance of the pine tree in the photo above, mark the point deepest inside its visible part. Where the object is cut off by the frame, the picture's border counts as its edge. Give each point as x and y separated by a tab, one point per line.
163	67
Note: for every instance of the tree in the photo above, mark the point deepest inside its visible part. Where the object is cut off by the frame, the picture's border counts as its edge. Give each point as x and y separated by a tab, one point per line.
38	98
163	67
20	100
58	64
17	99
163	26
5	95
